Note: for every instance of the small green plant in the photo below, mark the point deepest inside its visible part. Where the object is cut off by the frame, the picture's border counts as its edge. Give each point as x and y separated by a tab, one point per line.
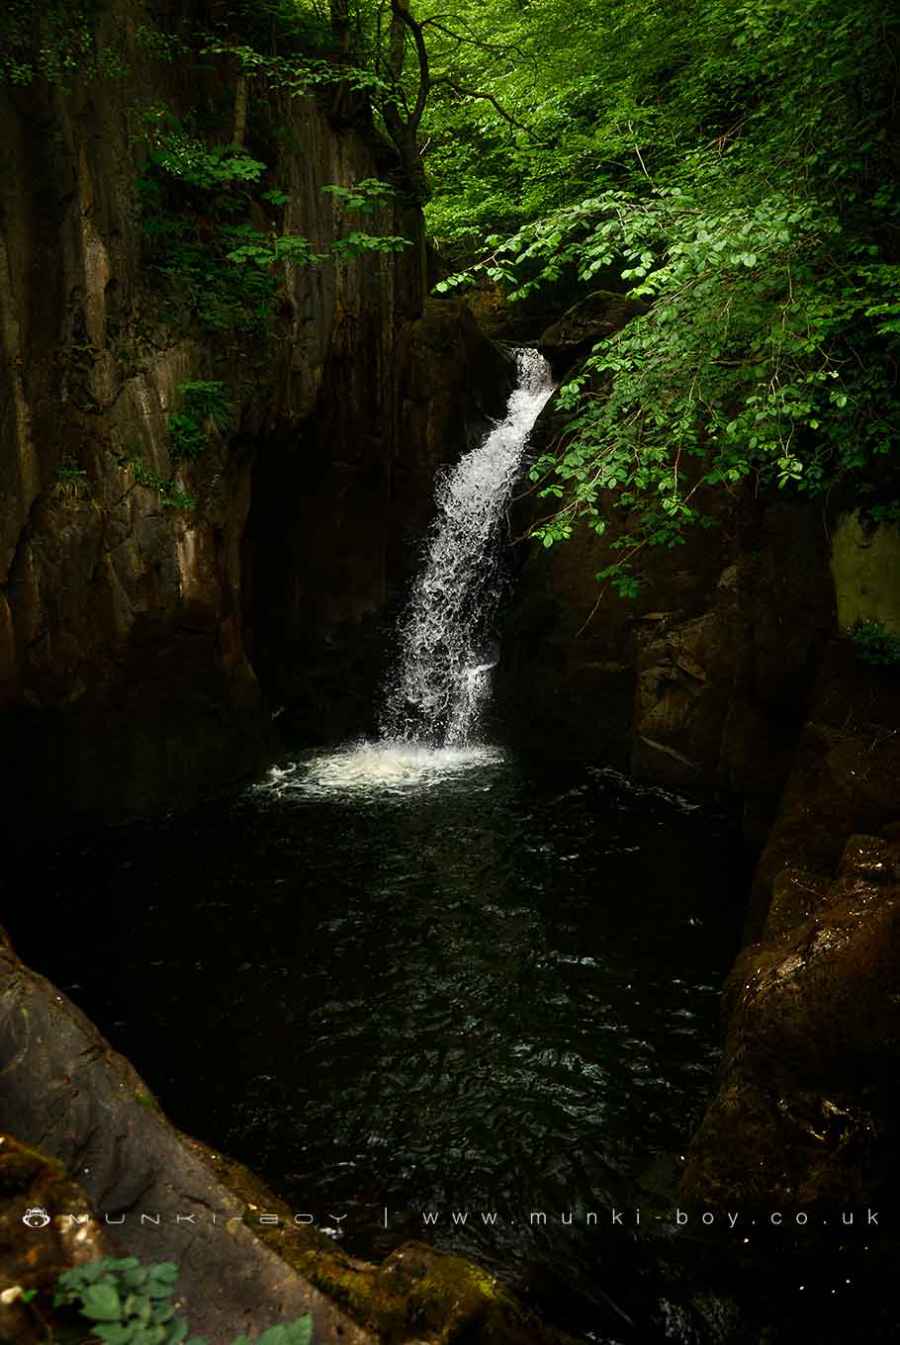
192	197
205	406
884	513
875	645
200	205
189	160
366	196
153	42
188	439
71	481
130	1304
171	494
264	250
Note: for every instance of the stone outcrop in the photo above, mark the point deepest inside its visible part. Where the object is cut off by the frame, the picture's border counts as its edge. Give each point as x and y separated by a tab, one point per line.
572	337
68	1093
805	1109
706	679
703	681
844	774
732	671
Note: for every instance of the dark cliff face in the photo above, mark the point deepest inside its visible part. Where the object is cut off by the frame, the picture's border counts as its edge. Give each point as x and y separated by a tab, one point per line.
129	629
704	680
735	644
340	510
732	672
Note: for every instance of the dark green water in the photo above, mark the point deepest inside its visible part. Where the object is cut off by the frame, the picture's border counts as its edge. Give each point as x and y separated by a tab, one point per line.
491	991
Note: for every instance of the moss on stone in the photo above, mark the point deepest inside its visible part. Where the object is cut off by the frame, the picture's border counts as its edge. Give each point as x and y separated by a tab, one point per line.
417	1293
865	563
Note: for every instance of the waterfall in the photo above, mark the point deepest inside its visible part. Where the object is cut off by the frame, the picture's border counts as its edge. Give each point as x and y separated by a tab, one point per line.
442	680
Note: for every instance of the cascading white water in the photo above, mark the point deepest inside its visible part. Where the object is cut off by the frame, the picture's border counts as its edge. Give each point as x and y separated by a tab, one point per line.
443	678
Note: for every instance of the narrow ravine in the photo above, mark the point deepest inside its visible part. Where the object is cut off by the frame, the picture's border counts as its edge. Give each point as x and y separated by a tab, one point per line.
449	672
426	988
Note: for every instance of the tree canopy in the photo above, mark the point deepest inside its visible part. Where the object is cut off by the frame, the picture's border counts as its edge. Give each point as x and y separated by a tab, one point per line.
732	164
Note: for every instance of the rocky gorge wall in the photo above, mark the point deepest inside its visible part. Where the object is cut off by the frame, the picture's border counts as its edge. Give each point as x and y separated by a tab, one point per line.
339	513
144	648
732	672
143	645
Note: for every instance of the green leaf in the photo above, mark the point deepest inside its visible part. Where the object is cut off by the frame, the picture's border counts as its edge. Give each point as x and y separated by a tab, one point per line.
114	1333
101	1302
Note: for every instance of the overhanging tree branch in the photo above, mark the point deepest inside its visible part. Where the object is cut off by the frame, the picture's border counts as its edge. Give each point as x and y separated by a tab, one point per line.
403	116
400	10
402	123
481	43
464	92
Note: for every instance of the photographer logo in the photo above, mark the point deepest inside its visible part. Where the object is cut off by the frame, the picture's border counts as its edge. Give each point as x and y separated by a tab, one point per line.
36	1218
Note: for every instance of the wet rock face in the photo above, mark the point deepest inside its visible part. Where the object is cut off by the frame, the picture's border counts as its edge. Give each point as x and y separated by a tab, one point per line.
704	680
130	631
105	592
805	1111
341	508
844	773
572	338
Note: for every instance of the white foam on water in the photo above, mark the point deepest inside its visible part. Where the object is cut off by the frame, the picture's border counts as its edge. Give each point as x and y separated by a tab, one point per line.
380	767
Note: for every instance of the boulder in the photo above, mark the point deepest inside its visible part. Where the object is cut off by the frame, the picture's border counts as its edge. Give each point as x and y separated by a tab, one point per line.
805	1110
572	338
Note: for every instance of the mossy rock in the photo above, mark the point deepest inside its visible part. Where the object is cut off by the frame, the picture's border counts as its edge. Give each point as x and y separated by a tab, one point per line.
865	563
416	1294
